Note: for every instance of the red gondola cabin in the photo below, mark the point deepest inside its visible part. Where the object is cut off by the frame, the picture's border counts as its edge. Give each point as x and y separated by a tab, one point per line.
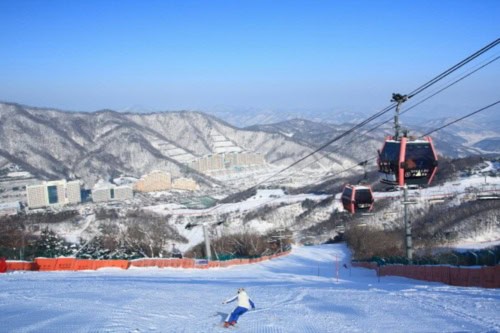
407	161
357	198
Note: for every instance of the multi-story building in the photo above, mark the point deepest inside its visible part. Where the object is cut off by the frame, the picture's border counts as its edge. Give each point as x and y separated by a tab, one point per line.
73	192
37	196
58	192
227	161
124	193
155	181
102	194
110	192
184	184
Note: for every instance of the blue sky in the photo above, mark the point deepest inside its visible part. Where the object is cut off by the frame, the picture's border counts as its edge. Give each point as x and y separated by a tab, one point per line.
204	55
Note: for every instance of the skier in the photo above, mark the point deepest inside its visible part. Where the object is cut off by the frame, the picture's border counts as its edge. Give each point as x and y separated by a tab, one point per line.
244	304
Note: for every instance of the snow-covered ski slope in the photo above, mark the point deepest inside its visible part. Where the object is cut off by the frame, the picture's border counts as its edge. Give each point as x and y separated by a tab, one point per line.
296	293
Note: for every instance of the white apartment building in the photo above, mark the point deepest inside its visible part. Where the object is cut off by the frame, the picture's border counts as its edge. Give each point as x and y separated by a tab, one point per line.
57	192
226	161
73	192
110	192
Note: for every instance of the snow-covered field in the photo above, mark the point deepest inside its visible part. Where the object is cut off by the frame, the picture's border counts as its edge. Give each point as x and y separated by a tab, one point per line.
296	293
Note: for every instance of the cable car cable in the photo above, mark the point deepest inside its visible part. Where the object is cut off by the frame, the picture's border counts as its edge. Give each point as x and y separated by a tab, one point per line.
385	110
446	87
365	161
426	134
390	107
455	67
410	108
462	118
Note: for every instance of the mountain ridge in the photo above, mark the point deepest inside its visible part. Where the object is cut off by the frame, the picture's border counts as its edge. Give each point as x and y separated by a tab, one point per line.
106	143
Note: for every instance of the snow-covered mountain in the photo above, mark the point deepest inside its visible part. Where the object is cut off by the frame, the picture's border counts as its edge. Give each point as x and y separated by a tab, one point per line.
51	143
464	138
253	116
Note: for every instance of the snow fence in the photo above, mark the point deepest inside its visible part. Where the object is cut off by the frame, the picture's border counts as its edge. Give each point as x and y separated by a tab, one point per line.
74	264
485	277
3	265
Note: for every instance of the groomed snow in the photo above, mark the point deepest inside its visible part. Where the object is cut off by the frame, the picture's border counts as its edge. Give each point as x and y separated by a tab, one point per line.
296	293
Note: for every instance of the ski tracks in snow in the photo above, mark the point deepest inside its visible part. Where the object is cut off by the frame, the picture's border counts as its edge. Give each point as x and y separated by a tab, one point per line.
437	300
289	294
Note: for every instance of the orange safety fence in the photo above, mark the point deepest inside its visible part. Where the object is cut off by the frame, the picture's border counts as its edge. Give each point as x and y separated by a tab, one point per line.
488	277
464	276
497	275
213	264
427	275
224	264
84	264
123	264
474	278
158	262
414	272
420	273
65	264
16	265
445	274
137	263
3	265
188	263
73	264
485	277
456	278
161	263
45	264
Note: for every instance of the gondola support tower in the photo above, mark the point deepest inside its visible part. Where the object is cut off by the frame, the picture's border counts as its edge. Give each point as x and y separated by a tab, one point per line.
407	223
399	99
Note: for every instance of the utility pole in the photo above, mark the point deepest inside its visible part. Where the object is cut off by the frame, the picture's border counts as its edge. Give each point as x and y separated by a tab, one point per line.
400	99
21	249
280	238
207	242
206	233
407	223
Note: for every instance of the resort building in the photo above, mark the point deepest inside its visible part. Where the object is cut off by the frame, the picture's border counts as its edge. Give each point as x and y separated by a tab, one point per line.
58	192
227	161
185	184
154	181
104	192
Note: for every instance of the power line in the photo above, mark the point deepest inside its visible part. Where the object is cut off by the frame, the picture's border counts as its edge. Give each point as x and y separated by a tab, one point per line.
390	107
413	106
385	110
462	118
454	68
432	95
366	121
426	134
448	86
